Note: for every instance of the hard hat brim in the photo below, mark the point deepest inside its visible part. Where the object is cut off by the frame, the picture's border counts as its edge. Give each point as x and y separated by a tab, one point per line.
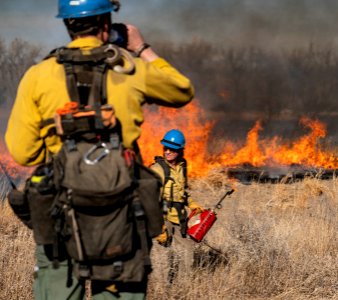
171	145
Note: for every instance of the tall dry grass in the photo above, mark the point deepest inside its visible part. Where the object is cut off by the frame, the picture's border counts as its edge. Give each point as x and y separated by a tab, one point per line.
16	257
277	241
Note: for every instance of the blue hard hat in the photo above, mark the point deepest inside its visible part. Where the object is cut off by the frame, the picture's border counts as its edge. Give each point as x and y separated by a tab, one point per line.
173	139
83	8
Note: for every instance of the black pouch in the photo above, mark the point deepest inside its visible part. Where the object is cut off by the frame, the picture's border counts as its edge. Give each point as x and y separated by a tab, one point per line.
105	233
19	204
40	194
148	189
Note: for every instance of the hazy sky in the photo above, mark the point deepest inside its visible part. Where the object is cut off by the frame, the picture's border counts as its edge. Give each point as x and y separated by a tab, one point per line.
230	22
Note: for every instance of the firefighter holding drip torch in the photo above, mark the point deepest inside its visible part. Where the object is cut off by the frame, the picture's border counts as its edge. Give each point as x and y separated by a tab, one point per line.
172	168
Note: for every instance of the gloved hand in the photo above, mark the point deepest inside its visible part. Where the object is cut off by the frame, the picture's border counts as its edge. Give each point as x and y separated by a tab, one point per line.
164	239
198	209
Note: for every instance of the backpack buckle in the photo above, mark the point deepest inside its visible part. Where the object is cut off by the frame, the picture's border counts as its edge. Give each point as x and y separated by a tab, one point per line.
94	160
118	267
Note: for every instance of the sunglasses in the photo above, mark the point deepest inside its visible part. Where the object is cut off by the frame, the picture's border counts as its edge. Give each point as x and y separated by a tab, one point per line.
170	149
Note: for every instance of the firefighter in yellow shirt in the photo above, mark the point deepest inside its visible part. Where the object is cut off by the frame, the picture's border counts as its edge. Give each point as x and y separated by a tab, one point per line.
43	90
176	198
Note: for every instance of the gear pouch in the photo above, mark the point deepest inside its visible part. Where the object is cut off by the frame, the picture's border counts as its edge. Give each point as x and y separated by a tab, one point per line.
40	193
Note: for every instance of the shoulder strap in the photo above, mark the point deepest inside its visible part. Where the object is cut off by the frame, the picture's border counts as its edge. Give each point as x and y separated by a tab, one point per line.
185	171
109	54
86	74
160	160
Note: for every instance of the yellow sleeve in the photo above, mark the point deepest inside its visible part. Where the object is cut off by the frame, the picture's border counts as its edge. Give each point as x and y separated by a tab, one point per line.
164	85
23	130
193	204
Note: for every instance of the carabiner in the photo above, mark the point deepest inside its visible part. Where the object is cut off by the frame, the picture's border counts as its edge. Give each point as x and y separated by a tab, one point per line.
105	152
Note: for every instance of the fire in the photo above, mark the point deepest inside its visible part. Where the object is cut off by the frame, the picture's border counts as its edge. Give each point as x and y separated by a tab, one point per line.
9	167
251	152
200	151
303	151
191	120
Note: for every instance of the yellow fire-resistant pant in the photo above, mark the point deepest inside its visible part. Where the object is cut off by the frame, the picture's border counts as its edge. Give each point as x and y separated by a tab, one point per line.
50	284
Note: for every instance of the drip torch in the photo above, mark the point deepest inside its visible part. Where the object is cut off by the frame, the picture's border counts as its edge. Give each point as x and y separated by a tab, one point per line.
206	219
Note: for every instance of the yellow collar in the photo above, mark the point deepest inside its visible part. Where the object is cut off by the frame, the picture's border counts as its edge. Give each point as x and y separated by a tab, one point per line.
85	42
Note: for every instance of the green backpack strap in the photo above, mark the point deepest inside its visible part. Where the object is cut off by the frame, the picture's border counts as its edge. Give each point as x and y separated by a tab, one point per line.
161	161
185	172
86	76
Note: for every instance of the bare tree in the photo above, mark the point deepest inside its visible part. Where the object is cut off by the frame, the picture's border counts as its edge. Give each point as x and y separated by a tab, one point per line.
15	59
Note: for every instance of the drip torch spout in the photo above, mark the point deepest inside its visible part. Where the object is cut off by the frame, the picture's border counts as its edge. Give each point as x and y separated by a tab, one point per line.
219	203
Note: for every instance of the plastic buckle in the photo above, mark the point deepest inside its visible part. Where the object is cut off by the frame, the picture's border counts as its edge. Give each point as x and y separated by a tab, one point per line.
118	267
84	271
70	144
114	141
138	209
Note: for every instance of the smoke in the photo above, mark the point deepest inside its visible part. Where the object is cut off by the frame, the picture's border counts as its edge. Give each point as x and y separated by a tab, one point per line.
274	23
271	23
37	6
264	79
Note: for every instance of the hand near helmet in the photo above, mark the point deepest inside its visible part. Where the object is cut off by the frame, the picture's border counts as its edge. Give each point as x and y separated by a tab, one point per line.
135	38
137	45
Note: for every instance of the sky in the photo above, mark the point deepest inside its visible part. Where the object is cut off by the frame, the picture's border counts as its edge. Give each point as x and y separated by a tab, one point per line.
271	23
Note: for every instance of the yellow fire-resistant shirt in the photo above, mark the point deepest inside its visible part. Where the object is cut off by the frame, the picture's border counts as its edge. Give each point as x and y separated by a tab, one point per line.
177	185
43	90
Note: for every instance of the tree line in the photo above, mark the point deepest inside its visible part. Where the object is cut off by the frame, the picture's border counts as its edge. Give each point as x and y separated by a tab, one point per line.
236	84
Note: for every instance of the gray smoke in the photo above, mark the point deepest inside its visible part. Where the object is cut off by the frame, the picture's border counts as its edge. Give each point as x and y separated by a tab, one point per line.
255	82
274	23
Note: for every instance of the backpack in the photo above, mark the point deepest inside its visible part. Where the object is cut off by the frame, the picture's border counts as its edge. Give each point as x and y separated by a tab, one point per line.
94	203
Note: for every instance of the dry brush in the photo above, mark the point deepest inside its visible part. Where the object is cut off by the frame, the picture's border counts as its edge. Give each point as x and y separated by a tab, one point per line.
275	241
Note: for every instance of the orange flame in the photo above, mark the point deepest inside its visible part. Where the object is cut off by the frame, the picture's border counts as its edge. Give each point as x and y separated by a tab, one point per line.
9	166
306	150
256	151
191	121
249	153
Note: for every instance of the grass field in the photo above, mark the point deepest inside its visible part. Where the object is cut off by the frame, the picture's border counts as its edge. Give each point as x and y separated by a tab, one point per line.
275	241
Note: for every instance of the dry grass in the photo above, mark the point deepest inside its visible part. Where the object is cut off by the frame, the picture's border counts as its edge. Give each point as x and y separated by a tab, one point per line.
279	242
16	257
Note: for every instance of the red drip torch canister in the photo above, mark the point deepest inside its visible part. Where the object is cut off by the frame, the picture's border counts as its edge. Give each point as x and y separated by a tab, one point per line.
200	224
199	227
